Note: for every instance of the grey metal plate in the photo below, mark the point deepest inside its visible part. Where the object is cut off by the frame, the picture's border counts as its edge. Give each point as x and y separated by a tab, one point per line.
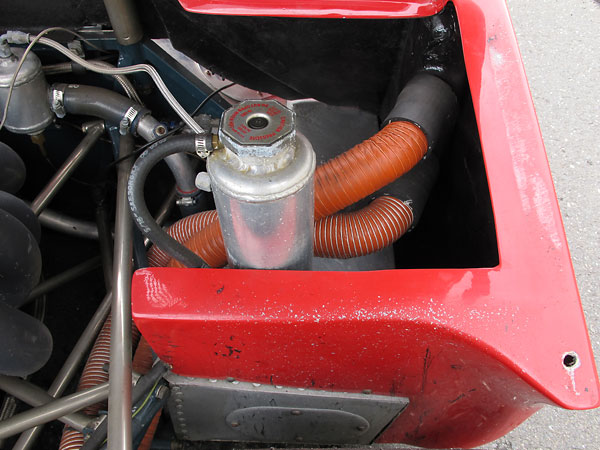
205	410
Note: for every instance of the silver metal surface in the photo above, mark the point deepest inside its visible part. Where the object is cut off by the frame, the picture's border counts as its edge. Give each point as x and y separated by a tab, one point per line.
257	128
29	111
234	411
267	219
70	367
148	128
93	133
124	20
119	402
53	410
35	396
65	224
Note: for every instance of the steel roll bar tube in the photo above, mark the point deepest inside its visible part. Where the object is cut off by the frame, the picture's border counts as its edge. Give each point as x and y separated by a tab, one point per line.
93	132
119	401
36	396
53	410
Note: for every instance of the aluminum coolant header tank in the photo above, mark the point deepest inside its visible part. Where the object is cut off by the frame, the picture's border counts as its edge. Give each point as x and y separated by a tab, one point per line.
29	110
262	182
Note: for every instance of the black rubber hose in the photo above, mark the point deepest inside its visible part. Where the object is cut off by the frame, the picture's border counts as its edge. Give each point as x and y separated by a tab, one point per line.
428	102
141	215
21	210
98	102
20	261
12	170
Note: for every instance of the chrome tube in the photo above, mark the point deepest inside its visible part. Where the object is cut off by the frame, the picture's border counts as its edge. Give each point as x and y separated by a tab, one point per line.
93	132
69	369
62	278
124	21
69	225
53	410
119	401
35	396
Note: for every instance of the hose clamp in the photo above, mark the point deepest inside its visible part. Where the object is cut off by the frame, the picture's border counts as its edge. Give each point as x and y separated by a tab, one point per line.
203	145
58	102
127	120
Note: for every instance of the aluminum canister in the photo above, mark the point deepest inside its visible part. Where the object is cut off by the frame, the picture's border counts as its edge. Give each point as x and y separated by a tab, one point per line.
29	109
263	187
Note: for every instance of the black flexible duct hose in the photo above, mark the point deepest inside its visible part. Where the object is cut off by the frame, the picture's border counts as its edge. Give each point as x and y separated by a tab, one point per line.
20	260
135	192
12	170
21	210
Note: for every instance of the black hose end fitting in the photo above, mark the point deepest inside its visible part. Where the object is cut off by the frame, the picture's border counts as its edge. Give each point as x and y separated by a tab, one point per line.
428	102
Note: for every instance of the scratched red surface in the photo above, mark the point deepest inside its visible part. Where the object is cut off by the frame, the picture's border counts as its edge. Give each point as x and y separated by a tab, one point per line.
476	350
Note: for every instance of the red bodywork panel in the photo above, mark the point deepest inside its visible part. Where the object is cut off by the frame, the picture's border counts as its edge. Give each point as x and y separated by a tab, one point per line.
369	9
476	350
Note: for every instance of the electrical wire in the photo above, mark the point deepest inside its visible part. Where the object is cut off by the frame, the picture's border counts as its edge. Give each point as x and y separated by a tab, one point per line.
209	96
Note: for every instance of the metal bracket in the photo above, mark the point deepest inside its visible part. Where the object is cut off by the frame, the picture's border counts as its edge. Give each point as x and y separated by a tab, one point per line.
204	410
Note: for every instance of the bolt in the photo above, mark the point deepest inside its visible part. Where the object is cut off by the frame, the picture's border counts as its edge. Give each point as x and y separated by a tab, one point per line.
296	412
367	391
235	424
230	379
361	427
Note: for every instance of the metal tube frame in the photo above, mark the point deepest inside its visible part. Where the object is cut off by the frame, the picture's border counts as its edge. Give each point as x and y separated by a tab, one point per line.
64	277
93	132
69	225
36	396
119	401
53	410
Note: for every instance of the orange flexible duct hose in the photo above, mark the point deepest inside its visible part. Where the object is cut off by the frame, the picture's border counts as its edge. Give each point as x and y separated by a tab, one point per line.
94	373
342	181
348	235
367	167
359	233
